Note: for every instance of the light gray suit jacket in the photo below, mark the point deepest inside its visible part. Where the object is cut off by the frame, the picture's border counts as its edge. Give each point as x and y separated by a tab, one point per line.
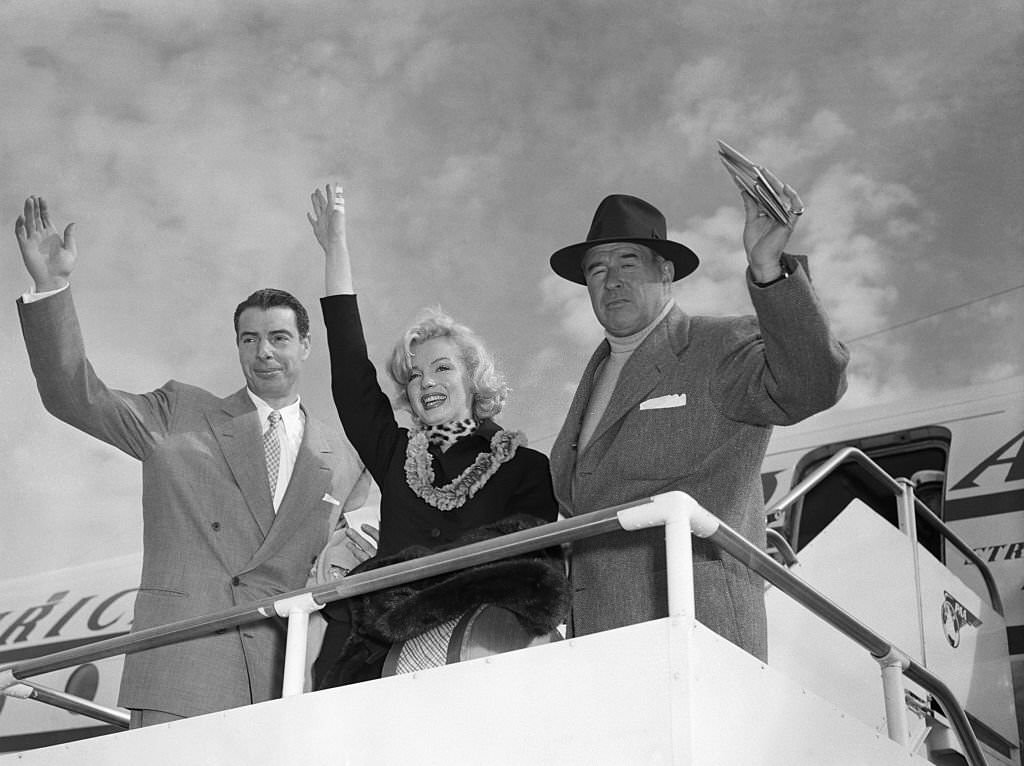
211	539
740	375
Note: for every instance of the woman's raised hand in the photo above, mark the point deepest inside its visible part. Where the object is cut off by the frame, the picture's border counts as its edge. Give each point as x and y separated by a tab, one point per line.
328	219
328	222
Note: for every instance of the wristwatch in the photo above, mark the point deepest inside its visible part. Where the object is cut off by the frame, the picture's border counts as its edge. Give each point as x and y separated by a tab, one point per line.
786	271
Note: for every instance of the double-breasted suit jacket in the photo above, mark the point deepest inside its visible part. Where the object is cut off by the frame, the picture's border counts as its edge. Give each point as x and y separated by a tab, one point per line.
730	379
211	538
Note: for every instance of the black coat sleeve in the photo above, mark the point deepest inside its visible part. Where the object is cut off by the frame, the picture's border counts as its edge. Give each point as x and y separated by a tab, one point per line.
364	409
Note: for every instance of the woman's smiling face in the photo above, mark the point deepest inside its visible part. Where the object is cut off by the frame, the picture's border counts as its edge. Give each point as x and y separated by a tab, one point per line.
439	389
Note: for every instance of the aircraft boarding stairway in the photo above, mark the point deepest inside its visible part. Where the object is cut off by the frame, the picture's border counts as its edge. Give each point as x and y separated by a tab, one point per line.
849	678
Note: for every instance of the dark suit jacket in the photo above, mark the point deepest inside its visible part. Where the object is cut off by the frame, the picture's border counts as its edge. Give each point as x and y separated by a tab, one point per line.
740	376
211	539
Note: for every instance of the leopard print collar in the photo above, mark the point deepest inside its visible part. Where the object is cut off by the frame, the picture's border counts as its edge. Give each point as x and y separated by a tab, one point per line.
446	434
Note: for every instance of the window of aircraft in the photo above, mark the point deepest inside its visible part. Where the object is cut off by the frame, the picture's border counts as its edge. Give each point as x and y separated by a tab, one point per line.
84	681
919	454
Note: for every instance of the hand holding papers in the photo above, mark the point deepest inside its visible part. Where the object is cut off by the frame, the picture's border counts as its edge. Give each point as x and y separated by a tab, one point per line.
751	178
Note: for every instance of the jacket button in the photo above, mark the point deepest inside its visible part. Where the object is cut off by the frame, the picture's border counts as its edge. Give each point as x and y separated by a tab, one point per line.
435	533
216	526
235	581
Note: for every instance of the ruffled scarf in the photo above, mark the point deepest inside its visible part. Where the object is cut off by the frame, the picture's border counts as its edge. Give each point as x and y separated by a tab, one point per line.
419	471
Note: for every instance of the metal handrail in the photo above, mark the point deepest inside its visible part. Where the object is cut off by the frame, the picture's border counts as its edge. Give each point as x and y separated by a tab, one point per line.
760	562
885	481
700	521
775	538
70	702
512	544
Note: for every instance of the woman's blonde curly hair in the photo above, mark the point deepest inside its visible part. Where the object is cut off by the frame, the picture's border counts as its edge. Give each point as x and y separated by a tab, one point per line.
490	391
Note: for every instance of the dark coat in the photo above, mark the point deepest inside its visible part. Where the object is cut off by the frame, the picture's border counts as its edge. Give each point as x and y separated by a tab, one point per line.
522	485
409	526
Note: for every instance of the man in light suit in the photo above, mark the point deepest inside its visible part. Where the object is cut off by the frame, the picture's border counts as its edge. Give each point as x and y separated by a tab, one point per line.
671	401
222	524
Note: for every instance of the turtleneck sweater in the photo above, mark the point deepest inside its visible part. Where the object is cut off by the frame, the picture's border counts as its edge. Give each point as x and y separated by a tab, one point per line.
607	375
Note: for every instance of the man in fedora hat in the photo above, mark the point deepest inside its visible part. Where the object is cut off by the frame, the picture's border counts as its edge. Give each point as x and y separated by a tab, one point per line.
671	401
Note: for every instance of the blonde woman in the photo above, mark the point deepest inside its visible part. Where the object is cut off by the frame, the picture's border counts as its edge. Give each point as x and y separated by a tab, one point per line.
455	476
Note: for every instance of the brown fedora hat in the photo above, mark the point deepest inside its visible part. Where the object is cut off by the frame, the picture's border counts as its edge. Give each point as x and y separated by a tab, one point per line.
622	218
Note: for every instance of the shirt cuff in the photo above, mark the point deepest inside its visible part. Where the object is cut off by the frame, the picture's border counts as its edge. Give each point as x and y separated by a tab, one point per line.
31	296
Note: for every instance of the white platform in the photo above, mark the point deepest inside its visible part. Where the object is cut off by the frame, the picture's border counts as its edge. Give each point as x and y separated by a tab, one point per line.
885	596
664	692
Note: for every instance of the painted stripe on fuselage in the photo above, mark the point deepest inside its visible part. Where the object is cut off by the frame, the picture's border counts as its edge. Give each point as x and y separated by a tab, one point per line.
984	505
38	650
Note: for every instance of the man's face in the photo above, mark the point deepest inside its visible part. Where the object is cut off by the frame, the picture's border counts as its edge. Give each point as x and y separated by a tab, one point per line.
628	285
271	353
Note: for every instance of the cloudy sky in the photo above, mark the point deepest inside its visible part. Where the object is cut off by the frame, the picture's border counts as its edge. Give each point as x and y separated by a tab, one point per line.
473	138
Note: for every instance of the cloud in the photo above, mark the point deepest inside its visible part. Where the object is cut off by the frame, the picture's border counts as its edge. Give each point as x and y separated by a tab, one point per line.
475	138
718	286
57	516
856	228
571	302
865	387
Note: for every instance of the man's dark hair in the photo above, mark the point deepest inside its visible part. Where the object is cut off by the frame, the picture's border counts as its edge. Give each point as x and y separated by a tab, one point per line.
269	298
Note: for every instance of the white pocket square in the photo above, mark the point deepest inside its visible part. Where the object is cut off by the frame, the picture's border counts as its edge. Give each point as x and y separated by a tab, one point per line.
327	498
664	402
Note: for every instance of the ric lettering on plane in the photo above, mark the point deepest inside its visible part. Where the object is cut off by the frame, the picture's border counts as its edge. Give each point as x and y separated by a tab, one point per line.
51	619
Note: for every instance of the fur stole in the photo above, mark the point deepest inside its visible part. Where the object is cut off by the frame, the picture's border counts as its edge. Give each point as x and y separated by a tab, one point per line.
532	586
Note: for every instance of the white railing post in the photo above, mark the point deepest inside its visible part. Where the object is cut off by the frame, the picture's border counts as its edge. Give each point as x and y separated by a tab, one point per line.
679	513
894	691
907	518
297	610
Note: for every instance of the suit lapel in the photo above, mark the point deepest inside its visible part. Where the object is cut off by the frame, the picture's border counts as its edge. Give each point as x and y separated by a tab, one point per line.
237	431
563	452
656	356
310	480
